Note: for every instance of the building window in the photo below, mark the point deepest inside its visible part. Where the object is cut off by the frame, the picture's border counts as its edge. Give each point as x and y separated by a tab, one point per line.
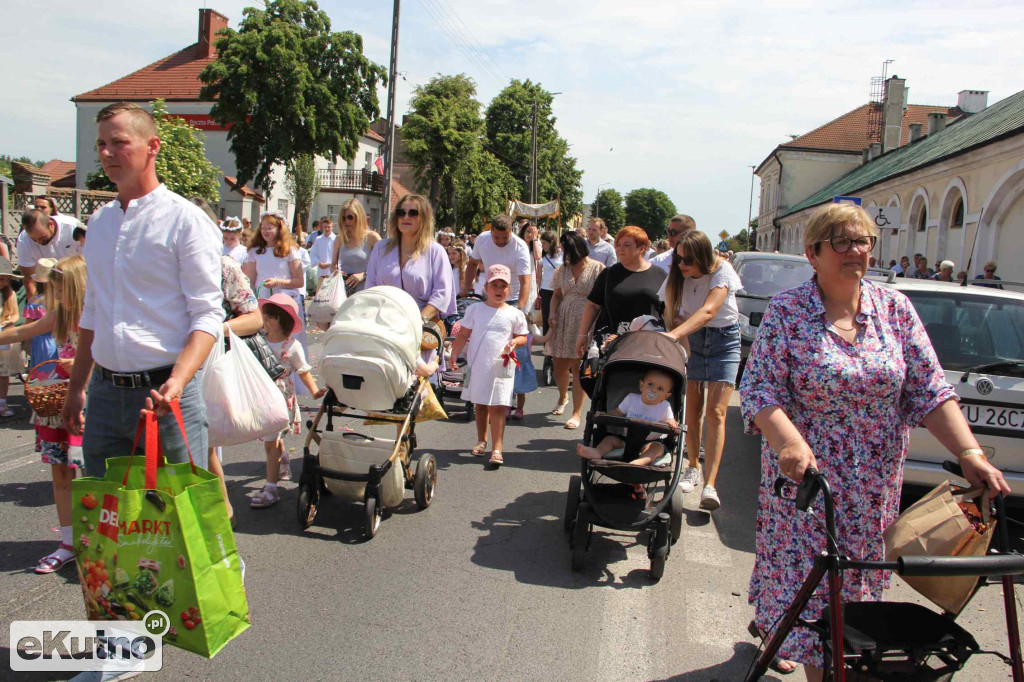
282	205
958	213
369	160
333	210
921	220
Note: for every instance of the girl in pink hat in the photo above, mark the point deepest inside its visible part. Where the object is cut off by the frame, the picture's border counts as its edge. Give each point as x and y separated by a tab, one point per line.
281	320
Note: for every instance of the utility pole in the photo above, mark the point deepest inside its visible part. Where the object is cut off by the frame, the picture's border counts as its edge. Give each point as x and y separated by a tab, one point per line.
389	143
750	209
533	157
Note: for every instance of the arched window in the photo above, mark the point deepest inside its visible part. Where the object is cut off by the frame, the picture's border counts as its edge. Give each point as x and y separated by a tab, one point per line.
958	213
922	221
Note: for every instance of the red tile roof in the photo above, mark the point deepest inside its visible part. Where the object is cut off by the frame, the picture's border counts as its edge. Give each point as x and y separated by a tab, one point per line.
62	173
849	132
174	78
373	135
244	190
398	190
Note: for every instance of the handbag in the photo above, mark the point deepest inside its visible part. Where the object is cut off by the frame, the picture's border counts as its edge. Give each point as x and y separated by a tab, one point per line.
157	537
936	525
264	354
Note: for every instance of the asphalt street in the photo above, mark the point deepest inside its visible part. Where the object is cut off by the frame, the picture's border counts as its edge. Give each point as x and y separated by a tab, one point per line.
478	586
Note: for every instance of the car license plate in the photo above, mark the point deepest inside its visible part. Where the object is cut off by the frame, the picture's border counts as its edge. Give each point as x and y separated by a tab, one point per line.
994	417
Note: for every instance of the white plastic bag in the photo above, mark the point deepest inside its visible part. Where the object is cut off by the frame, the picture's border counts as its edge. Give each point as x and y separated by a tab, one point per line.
327	300
242	402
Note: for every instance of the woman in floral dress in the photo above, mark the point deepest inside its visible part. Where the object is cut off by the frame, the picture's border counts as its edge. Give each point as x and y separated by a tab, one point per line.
839	373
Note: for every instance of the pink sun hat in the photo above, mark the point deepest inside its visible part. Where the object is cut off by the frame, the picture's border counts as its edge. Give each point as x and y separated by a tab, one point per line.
288	304
498	271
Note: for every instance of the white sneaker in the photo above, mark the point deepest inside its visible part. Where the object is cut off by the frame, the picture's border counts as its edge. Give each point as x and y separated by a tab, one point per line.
690	479
709	499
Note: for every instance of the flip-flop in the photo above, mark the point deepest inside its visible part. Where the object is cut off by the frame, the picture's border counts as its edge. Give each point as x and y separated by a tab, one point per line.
777	662
572	424
480	449
51	564
560	408
496	458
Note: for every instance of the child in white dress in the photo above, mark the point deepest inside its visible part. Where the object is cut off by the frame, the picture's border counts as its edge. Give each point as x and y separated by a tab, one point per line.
499	329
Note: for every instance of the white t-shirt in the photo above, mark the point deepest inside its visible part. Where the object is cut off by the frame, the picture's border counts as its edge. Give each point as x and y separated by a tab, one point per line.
515	255
62	245
296	357
696	290
633	407
269	266
662	260
322	252
237	254
548	265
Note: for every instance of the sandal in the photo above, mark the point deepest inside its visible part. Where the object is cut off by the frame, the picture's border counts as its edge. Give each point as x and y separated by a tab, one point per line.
480	449
560	407
265	498
517	414
777	662
573	423
496	459
284	471
52	564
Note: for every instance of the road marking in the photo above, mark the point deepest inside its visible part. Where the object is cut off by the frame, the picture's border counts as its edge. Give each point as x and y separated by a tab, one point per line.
20	462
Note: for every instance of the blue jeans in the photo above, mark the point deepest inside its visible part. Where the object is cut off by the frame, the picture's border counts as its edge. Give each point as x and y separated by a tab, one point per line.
112	418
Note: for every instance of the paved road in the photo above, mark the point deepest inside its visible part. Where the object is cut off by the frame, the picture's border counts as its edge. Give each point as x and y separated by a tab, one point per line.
476	587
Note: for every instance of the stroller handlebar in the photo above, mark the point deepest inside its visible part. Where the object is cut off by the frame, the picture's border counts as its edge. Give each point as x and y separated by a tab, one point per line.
1002	564
655	427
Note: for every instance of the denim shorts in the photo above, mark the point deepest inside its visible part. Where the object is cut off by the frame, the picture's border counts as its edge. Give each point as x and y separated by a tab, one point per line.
714	354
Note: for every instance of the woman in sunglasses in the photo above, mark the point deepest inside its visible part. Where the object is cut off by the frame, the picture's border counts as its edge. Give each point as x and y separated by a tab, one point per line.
411	260
700	293
353	246
840	371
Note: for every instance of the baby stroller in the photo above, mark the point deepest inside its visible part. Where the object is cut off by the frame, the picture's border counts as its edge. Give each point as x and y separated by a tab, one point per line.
450	384
370	355
604	492
892	641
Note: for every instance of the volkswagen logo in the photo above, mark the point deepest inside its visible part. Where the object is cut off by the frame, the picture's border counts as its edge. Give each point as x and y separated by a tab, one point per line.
984	386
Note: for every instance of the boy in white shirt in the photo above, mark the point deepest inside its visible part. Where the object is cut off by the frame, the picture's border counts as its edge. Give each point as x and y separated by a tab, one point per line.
650	405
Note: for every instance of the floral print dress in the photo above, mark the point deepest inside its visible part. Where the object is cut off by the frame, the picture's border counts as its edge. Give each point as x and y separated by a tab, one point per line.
53	443
854	404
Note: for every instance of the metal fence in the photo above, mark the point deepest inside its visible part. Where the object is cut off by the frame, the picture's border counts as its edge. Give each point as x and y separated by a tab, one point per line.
356	180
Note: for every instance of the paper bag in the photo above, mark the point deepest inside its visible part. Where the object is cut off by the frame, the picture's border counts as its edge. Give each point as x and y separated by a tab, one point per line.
936	526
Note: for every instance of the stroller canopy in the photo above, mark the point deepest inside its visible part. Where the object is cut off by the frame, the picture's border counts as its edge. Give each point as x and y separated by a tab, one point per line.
648	348
386	315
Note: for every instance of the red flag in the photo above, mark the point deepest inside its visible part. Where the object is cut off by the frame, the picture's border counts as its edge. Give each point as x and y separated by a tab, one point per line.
379	163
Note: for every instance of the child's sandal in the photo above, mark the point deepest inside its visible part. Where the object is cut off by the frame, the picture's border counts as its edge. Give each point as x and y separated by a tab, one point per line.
496	459
480	449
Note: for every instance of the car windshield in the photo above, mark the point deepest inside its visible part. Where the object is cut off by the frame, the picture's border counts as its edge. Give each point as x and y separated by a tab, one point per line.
971	330
769	276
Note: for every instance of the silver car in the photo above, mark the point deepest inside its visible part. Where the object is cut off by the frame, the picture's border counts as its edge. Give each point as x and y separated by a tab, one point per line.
763	275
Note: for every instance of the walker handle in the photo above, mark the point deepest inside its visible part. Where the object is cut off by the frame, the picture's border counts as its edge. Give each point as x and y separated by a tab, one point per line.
806	491
936	566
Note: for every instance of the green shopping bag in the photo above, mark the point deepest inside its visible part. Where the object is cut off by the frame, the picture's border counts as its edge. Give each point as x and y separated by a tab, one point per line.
158	538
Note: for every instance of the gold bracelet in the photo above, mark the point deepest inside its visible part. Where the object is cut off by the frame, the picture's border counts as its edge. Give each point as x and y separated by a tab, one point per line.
968	452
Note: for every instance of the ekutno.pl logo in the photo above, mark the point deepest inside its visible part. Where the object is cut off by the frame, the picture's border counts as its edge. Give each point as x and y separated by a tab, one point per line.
78	645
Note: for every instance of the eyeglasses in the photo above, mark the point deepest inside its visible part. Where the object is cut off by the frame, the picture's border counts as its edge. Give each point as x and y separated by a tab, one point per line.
352	217
401	212
992	270
673	233
844	244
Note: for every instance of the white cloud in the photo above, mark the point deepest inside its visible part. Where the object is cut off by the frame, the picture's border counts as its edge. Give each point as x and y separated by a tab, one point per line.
686	95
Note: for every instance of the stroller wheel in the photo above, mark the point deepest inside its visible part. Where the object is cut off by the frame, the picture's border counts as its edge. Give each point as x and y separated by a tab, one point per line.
572	502
580	536
658	545
309	498
675	514
426	480
371	524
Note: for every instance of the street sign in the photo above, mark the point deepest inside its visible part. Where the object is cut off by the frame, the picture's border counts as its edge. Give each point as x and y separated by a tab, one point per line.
885	217
723	235
846	200
723	245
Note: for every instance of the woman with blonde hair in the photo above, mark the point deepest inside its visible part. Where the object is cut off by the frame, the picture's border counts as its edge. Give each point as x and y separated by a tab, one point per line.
353	246
701	290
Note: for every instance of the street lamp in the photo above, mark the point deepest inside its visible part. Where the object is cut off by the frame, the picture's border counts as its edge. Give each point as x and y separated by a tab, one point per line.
750	209
597	200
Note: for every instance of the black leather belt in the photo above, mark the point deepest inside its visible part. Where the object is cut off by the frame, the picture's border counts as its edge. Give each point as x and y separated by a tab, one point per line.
154	377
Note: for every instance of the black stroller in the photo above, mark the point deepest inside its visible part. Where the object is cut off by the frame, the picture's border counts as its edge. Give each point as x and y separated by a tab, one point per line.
450	385
604	492
892	641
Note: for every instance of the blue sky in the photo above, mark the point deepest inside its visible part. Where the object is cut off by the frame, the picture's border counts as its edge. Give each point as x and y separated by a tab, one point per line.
683	97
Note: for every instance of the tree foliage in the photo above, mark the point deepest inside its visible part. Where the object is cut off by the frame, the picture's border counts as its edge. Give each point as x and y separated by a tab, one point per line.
608	206
181	164
302	183
482	184
442	134
650	209
287	85
509	122
6	160
739	242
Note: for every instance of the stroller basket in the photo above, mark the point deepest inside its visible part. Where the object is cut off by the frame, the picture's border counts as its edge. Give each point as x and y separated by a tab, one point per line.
346	455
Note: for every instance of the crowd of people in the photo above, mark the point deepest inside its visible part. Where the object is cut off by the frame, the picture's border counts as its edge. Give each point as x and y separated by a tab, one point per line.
130	315
944	273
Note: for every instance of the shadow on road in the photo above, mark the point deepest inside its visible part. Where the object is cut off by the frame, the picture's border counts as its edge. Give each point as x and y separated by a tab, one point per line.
728	671
28	494
5	662
21	556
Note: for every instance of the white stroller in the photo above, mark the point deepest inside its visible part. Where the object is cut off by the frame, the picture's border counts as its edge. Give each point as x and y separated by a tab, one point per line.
370	355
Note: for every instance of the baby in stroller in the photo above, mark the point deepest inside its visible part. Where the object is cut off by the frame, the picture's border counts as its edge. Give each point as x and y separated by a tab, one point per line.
650	405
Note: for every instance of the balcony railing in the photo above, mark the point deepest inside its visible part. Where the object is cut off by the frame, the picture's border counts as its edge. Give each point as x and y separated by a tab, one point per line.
356	180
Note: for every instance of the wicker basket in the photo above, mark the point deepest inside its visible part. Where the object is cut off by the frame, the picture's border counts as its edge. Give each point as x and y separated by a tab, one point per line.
46	396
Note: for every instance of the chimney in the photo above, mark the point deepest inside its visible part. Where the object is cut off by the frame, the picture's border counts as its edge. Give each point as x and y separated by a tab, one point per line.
915	132
936	122
874	150
210	22
972	101
892	112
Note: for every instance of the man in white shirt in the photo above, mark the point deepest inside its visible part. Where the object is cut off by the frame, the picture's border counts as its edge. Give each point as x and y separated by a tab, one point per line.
44	236
321	253
676	227
499	246
152	307
600	250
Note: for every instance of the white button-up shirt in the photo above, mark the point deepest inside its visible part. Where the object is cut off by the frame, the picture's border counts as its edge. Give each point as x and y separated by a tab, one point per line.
61	246
322	252
153	278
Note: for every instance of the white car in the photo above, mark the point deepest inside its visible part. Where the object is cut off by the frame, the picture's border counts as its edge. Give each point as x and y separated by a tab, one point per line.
978	334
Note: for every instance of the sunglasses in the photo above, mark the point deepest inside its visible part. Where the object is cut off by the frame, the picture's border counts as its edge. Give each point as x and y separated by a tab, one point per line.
687	261
673	233
992	270
844	244
401	212
352	217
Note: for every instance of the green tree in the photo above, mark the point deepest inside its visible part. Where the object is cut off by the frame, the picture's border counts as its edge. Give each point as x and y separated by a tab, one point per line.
181	164
739	242
288	86
509	122
483	184
302	182
650	209
441	134
608	206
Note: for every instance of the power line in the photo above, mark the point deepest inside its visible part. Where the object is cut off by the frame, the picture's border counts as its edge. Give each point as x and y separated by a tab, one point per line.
468	32
451	31
463	39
